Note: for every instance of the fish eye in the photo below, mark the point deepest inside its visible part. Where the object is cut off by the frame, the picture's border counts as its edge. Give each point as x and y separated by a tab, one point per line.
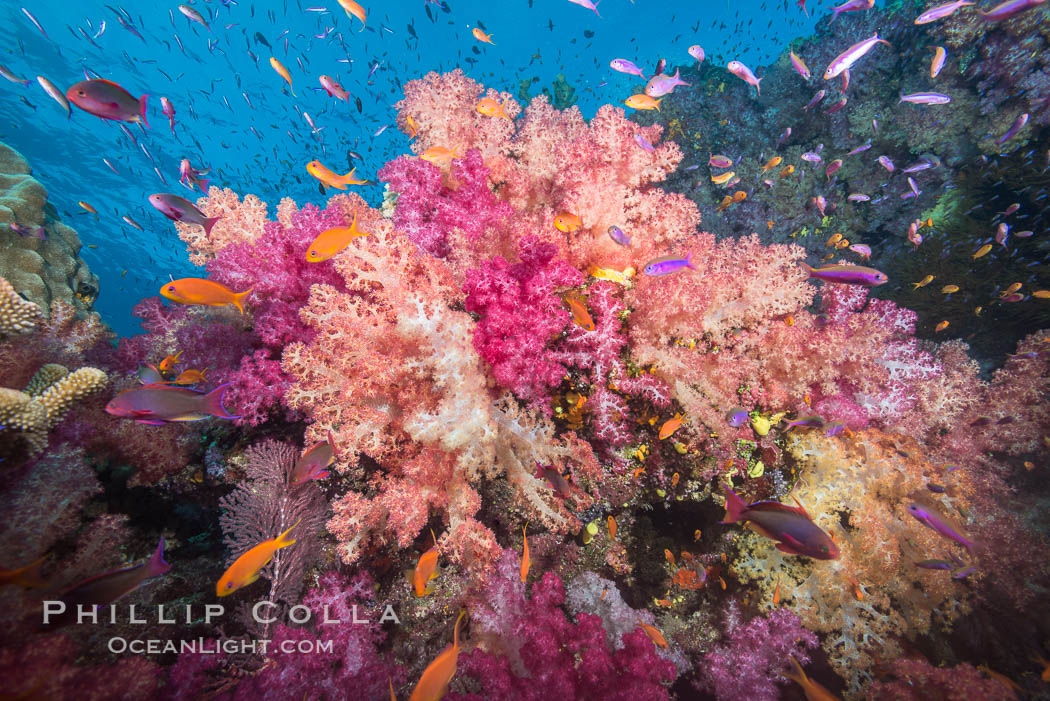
171	288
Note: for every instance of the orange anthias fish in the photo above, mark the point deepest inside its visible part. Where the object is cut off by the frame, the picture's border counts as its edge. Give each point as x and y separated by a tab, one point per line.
330	178
490	108
567	222
195	290
526	561
772	163
413	128
354	9
245	568
813	690
283	72
191	377
312	464
654	634
670	426
642	101
87	208
439	155
722	178
436	677
580	316
332	241
169	362
611	523
425	571
27	576
1045	674
482	36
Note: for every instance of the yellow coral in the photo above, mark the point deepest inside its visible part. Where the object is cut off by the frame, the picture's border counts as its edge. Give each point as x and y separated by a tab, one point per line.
32	416
44	378
17	315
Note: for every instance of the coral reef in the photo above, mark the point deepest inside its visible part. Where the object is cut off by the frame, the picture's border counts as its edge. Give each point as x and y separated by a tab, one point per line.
44	264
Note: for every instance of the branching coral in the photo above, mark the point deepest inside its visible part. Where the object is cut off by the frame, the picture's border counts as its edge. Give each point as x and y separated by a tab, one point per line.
32	414
17	315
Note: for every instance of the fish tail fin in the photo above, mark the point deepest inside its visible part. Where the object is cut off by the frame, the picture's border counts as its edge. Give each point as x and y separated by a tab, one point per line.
209	222
283	541
455	630
213	403
689	261
807	267
349	177
758	86
658	104
156	565
238	299
29	576
142	109
596	8
204	185
735	507
799	677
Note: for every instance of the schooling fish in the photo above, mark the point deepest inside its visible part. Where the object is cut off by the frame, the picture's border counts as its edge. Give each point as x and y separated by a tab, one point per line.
668	264
6	72
744	73
1009	9
56	94
283	72
334	89
426	570
660	85
790	526
436	677
169	111
190	176
931	519
940	12
624	66
848	274
182	210
330	178
27	576
852	6
850	56
103	589
245	569
1016	127
926	98
799	65
193	16
354	9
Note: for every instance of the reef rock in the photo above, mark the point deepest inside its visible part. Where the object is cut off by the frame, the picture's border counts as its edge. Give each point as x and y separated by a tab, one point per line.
41	270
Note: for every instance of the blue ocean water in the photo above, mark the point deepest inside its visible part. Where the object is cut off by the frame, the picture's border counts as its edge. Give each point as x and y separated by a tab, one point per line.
220	92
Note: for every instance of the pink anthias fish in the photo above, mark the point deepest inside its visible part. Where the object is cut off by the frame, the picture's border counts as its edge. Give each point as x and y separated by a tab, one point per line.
837	105
941	11
858	197
820	203
334	89
696	51
158	404
845	60
1021	120
744	73
169	112
190	176
926	98
180	209
790	526
312	464
587	4
833	167
852	6
848	274
939	55
799	65
37	232
718	161
622	65
660	85
816	98
103	589
106	99
861	249
886	163
1009	9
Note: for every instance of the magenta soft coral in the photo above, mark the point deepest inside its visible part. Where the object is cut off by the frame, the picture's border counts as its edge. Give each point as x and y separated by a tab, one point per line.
520	316
553	656
431	205
751	660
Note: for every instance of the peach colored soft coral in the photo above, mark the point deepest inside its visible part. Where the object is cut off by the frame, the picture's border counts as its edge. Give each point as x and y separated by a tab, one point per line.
241	221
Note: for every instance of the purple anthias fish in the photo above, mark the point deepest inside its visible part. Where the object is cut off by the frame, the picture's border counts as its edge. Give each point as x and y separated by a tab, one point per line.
158	404
668	264
644	143
785	135
737	417
886	163
848	274
940	12
180	209
660	85
790	526
930	519
918	167
617	234
816	98
811	157
845	60
36	232
936	565
103	589
834	428
837	105
624	66
852	6
1016	127
859	149
312	464
926	98
805	422
587	4
1009	9
858	197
